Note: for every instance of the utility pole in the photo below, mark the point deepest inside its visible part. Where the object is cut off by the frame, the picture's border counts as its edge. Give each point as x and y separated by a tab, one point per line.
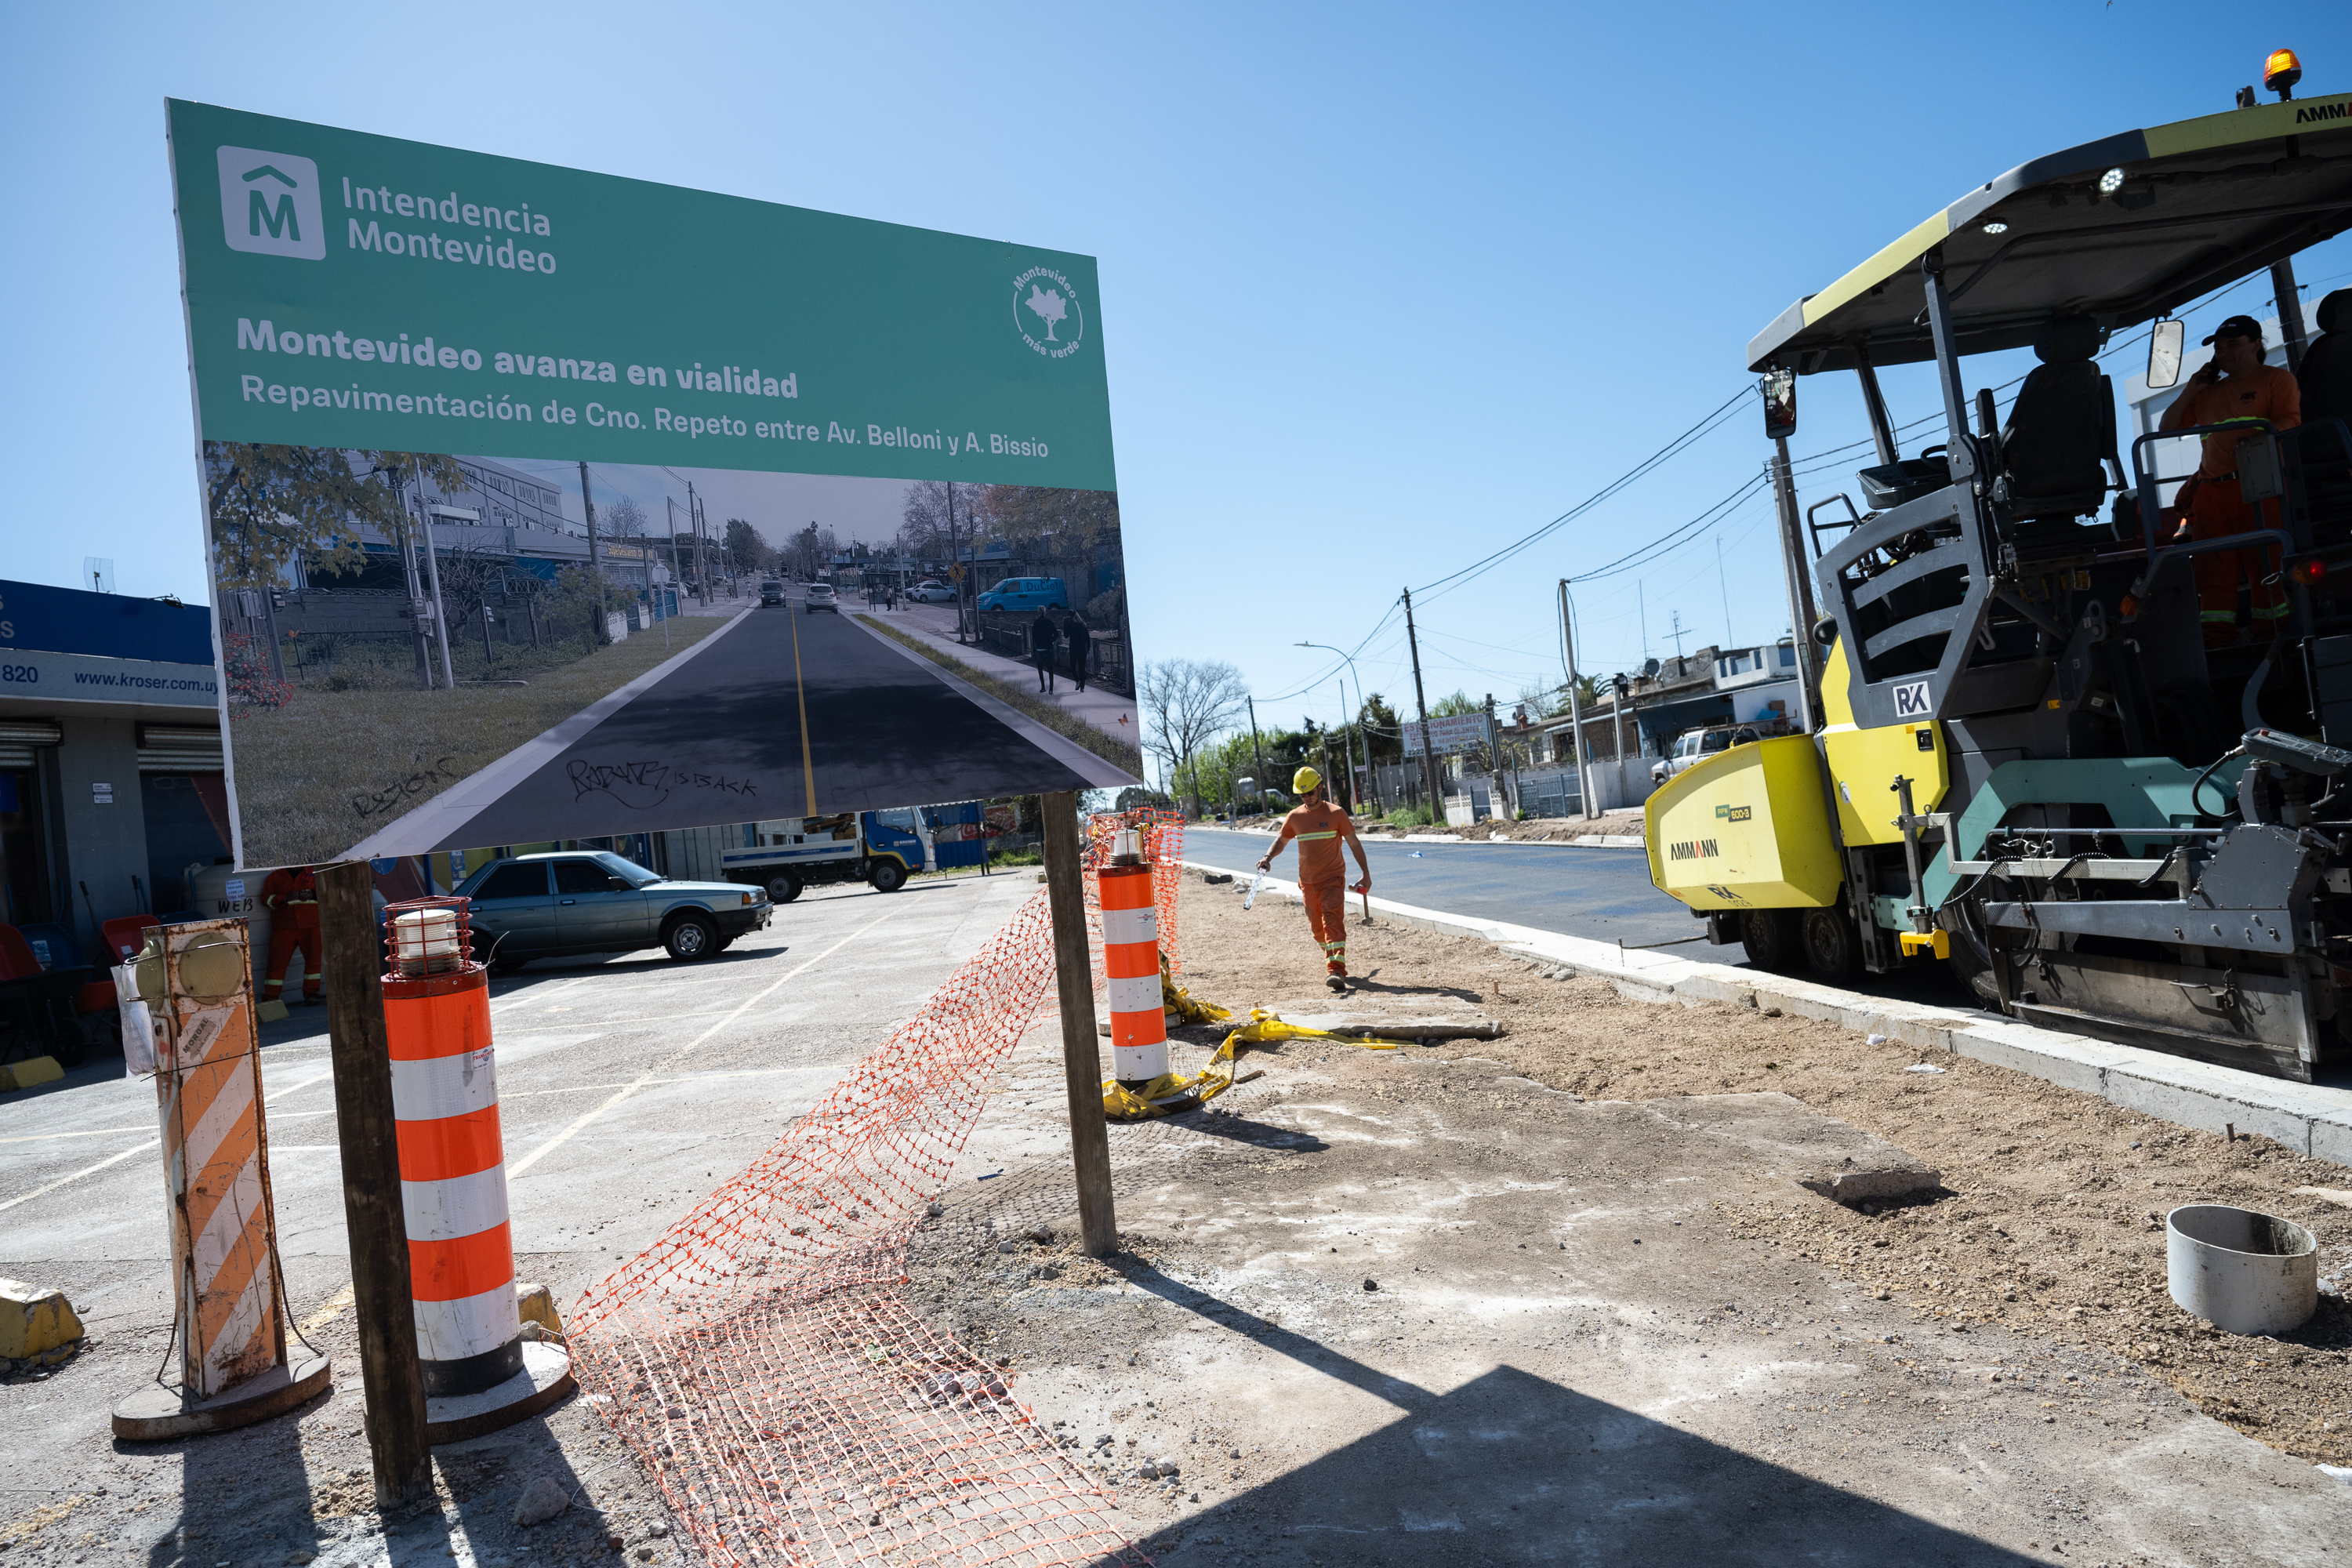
1429	778
393	1385
1258	749
1575	709
1065	898
2289	309
415	587
595	554
440	611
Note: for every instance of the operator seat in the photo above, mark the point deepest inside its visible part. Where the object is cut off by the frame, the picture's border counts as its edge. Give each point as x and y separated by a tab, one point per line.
2326	377
2062	428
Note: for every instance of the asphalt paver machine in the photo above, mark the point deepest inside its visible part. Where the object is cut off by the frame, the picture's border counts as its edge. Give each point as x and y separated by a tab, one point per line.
2022	758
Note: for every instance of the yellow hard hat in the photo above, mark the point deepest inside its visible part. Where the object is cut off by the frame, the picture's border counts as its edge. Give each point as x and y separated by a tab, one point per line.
1305	779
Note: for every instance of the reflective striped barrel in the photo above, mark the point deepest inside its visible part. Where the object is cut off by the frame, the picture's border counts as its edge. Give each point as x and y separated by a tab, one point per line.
1138	1030
453	1180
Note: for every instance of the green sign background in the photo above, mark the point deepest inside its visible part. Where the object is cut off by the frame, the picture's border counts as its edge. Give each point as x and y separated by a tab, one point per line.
915	354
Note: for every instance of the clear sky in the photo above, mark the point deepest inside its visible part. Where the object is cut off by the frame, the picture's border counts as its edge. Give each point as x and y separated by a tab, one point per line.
1384	288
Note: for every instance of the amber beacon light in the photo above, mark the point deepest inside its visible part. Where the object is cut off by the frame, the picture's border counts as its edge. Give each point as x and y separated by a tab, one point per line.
2282	71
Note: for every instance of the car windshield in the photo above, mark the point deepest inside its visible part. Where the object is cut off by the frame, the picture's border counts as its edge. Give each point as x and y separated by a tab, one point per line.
1716	741
629	871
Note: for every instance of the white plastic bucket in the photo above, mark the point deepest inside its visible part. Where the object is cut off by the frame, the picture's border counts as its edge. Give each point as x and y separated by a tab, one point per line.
2243	1272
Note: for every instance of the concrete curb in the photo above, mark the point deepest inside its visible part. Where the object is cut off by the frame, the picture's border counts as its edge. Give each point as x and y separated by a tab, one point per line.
2310	1119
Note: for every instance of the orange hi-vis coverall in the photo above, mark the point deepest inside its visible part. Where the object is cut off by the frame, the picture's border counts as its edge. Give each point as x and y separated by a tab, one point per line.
2212	506
1321	830
292	901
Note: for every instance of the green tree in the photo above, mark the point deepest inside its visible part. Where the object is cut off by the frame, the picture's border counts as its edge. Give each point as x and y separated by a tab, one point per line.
747	552
1453	705
1377	724
271	505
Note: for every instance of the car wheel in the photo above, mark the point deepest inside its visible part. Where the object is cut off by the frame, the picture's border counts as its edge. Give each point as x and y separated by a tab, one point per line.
691	937
1832	947
888	876
507	965
783	888
725	943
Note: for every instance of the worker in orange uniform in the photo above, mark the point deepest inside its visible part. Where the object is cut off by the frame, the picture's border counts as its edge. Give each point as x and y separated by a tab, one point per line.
1320	827
2234	384
292	900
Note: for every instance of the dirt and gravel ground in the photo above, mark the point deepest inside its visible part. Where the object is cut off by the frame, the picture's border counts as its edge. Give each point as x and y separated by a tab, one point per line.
2050	1221
1558	1297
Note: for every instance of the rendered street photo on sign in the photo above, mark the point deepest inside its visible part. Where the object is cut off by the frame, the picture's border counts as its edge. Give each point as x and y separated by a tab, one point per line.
546	505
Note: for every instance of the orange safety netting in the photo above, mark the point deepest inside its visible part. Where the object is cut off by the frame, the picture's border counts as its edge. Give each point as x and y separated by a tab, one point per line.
761	1357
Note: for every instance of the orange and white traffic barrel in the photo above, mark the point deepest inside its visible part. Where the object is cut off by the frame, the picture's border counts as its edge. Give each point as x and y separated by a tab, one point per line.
1130	926
453	1177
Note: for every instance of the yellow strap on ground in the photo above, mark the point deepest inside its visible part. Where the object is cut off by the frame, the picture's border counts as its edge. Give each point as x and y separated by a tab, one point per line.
1178	1092
1263	1026
1175	999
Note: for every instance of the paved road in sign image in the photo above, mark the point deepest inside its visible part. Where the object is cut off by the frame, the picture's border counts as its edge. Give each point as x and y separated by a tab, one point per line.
784	714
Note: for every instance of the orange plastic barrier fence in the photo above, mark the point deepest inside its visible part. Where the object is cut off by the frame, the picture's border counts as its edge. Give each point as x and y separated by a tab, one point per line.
761	1360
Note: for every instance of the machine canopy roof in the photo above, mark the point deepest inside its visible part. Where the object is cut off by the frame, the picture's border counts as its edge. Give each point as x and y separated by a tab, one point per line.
2201	203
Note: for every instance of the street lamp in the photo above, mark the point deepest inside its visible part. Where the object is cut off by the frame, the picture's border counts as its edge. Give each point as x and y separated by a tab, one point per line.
1355	799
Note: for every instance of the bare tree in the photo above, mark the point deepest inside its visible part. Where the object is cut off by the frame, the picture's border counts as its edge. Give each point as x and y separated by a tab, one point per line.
1186	703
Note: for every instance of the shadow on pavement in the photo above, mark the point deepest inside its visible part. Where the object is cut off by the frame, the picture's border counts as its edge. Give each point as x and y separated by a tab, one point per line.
1511	1467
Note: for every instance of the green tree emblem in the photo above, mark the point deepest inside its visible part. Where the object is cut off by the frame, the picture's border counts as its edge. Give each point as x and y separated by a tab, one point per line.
1049	307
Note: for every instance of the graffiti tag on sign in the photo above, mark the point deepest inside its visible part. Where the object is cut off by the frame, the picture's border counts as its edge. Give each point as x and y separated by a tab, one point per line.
400	790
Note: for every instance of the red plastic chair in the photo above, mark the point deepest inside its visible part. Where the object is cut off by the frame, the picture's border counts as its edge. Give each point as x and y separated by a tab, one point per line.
126	934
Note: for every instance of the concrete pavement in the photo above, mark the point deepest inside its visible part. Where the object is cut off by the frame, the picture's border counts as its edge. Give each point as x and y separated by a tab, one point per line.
630	1085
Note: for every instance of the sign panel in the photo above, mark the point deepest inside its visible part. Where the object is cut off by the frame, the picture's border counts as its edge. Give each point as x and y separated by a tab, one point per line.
1452	733
465	422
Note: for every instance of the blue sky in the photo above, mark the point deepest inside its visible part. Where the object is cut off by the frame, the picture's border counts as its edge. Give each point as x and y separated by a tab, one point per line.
1382	288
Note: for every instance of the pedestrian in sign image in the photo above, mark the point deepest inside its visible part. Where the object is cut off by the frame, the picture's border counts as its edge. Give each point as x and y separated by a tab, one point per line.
1320	827
1044	638
1079	639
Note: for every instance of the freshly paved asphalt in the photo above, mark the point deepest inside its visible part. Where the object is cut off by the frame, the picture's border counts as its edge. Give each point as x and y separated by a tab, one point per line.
786	714
1603	894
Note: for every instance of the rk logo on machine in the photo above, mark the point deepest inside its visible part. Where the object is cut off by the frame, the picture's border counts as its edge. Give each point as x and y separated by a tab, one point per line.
1911	700
269	203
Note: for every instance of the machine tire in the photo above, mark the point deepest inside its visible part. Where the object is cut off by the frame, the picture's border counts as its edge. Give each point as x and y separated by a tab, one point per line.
783	888
1773	939
888	876
1832	948
691	938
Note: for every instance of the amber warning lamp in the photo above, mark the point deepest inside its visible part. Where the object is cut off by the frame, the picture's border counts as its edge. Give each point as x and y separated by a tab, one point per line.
2281	72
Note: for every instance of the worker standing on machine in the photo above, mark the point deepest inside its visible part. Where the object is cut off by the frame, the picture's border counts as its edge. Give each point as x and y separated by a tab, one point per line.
2234	384
1320	827
292	900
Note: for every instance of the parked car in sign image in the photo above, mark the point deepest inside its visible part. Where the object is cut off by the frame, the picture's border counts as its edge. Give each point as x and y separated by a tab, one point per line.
550	905
1027	593
821	598
931	591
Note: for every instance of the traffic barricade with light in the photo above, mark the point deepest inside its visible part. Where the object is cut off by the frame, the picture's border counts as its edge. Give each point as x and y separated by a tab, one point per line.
479	1371
1142	1084
190	990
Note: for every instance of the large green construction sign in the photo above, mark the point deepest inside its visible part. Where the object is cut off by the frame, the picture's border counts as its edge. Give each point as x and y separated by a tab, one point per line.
361	291
544	506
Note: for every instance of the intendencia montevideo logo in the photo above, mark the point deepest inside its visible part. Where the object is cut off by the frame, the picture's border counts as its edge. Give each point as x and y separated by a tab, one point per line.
270	206
1046	312
269	203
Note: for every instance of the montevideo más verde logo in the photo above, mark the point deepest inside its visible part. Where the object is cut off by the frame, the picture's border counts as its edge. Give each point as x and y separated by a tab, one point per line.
1046	312
269	203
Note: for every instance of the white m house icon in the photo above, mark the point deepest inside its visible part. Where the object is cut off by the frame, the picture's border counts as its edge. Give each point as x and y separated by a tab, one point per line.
269	203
